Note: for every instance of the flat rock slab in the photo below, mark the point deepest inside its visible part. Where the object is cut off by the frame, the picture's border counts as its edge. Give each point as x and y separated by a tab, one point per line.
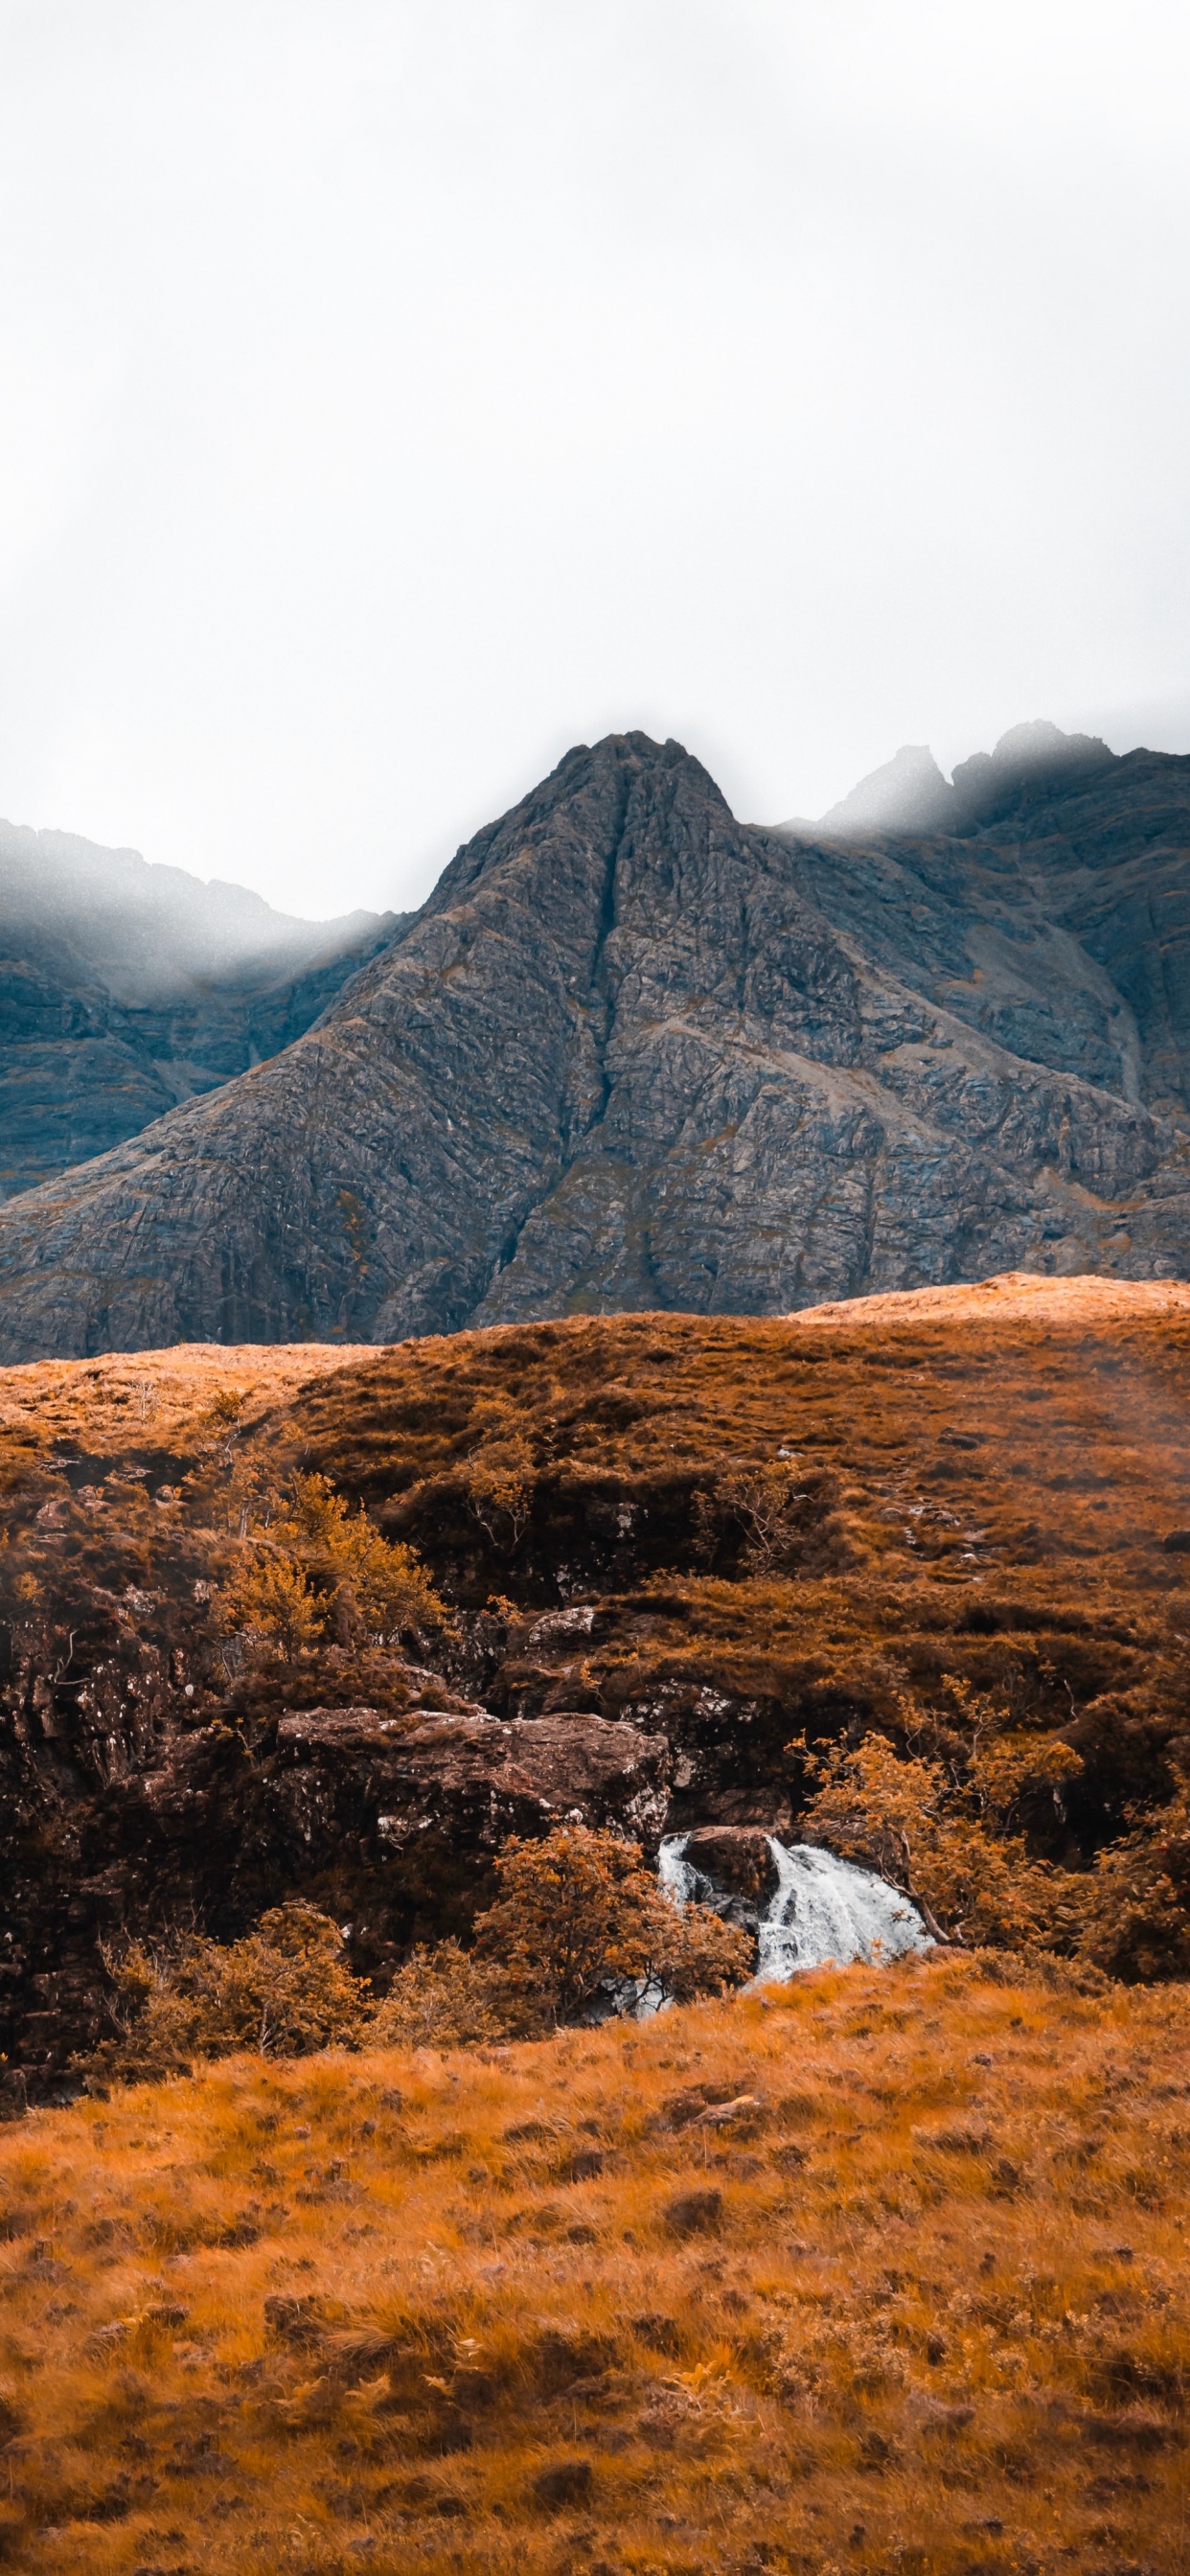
340	1773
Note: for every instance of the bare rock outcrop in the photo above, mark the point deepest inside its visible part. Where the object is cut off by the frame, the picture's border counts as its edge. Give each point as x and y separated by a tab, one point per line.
473	1778
738	1858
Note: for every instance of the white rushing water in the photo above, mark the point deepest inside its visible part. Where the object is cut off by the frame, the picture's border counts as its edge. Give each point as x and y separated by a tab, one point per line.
822	1908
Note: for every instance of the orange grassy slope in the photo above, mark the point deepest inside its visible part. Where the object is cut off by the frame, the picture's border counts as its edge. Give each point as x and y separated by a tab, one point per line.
989	1482
128	1397
969	1432
917	2302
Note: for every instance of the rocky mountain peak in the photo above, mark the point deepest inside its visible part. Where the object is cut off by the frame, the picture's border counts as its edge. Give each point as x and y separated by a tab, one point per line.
126	987
1031	756
625	788
908	794
634	1054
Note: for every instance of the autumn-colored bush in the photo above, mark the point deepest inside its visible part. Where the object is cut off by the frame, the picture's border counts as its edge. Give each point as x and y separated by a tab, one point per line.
283	1990
379	1588
304	1565
269	1606
943	1832
580	1916
443	1998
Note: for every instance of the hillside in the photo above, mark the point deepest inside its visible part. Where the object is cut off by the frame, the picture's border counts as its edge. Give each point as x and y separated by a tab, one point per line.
666	1548
918	2302
126	988
633	1054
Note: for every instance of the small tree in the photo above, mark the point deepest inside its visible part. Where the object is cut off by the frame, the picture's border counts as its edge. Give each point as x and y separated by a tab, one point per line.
764	1499
500	1491
579	1911
310	1563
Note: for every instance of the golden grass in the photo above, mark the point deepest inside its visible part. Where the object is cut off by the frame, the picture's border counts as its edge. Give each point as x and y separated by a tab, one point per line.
1035	1428
937	2323
154	1397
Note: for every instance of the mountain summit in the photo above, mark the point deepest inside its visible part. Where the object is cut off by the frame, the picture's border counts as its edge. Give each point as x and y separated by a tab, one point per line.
634	1054
910	794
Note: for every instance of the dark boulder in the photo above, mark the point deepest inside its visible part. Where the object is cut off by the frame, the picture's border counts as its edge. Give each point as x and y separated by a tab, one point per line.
737	1859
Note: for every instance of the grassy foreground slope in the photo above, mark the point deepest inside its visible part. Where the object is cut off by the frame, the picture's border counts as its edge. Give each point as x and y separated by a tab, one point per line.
917	2302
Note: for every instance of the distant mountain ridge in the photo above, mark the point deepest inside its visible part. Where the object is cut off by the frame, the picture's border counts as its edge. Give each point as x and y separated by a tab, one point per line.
910	794
633	1054
126	988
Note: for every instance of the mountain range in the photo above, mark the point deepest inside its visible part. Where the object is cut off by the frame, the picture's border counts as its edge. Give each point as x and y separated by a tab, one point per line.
126	988
635	1054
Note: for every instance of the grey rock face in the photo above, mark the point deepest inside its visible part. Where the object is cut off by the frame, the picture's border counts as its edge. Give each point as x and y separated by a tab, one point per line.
125	989
635	1054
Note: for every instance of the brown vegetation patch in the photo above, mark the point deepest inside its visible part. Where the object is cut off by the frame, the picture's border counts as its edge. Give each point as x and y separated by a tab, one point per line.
698	2355
723	1534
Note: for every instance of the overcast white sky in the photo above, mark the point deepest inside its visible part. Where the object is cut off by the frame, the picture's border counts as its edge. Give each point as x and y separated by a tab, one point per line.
393	392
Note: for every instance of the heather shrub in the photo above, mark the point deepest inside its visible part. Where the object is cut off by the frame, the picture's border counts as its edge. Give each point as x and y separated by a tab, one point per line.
283	1990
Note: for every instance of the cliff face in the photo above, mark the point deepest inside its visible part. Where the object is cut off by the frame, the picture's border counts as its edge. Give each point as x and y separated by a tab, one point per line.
634	1054
125	989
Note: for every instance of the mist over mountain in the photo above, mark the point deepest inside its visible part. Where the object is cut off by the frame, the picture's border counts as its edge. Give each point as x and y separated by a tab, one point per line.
126	988
910	794
634	1054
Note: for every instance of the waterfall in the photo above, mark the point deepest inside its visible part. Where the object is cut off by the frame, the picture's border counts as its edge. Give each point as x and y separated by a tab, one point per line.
822	1908
675	1876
